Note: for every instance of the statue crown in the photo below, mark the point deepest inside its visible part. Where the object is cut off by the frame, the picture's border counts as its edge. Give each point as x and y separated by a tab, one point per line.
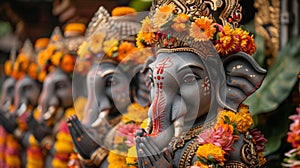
195	25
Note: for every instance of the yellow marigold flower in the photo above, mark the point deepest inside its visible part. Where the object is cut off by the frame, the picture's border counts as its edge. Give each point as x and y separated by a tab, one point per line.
227	41
135	113
230	114
69	112
144	124
110	46
210	150
124	49
179	22
244	119
202	29
131	158
56	57
96	42
139	39
32	140
116	160
121	11
147	32
42	75
162	15
59	163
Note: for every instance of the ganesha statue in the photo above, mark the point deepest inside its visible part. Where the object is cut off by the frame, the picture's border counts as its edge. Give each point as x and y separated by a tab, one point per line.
55	102
26	91
202	73
117	95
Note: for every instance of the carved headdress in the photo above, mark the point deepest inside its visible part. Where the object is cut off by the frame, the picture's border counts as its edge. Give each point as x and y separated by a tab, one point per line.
112	39
61	51
194	23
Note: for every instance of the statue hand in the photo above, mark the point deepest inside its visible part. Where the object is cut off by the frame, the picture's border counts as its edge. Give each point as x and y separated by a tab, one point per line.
84	144
10	123
149	156
39	130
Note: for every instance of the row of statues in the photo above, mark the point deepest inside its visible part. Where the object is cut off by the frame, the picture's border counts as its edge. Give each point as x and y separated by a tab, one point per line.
166	91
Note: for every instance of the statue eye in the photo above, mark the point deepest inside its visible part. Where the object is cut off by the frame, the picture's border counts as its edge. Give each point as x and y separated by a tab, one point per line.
111	81
190	78
60	85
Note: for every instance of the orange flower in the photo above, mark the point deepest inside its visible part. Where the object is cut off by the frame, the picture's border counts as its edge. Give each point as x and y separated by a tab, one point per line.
227	41
246	42
67	63
202	29
121	11
124	49
209	150
96	42
179	22
163	15
56	58
147	32
42	75
198	164
33	70
116	160
8	66
244	119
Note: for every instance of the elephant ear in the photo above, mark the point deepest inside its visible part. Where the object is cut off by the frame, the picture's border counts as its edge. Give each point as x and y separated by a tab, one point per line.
243	77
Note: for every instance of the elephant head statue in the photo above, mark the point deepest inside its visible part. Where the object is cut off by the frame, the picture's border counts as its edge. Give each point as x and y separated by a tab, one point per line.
26	87
114	80
7	96
203	65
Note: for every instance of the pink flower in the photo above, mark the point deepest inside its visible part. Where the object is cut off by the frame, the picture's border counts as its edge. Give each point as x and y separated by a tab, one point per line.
221	136
127	131
294	134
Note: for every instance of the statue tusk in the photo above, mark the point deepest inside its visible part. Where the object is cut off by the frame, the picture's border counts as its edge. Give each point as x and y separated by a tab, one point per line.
22	109
6	106
49	113
178	126
101	118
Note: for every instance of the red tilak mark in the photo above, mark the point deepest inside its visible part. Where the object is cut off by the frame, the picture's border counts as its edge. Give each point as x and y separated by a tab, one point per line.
165	63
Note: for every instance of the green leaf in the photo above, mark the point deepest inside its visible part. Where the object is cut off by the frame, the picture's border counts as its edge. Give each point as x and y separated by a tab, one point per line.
279	80
227	121
259	55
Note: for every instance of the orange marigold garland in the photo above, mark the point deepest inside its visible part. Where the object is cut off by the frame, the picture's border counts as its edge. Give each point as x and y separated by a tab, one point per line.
166	27
216	142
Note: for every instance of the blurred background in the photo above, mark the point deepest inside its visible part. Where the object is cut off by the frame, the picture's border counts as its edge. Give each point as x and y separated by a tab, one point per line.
274	23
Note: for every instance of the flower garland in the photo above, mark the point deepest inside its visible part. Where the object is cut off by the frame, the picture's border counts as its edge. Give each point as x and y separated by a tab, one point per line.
35	157
216	142
168	29
293	156
124	137
63	145
3	136
12	152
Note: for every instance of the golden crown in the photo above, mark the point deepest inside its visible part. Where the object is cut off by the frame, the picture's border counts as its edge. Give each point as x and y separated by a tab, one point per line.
193	25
